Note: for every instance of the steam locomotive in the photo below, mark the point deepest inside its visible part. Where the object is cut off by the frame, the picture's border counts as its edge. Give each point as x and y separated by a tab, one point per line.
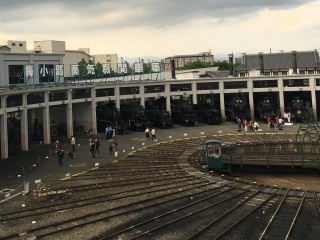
182	112
109	115
156	110
137	115
207	113
298	109
266	108
236	107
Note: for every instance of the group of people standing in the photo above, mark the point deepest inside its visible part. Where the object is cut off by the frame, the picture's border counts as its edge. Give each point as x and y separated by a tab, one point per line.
277	121
94	145
151	134
253	125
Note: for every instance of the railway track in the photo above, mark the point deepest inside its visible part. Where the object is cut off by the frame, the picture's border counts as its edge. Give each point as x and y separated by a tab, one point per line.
150	195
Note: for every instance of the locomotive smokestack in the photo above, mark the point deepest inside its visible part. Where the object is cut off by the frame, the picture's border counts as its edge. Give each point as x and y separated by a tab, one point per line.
261	64
294	63
173	68
230	65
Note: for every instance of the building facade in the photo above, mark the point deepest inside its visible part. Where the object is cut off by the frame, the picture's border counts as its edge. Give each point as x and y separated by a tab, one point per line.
40	106
182	60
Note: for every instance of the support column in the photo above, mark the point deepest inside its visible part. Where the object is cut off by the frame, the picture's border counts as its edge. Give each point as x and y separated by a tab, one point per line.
141	91
281	94
4	129
24	124
222	104
168	99
69	114
117	96
46	119
251	102
194	93
93	111
313	96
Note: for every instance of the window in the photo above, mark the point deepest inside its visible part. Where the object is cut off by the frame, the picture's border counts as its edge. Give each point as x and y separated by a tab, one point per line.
20	44
208	86
180	87
265	83
296	83
214	151
16	74
235	85
13	44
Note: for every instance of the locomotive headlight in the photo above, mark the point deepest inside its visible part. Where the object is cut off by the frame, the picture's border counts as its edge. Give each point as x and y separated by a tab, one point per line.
187	120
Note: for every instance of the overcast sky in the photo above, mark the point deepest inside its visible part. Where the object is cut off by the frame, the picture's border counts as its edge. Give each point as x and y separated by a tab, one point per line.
136	28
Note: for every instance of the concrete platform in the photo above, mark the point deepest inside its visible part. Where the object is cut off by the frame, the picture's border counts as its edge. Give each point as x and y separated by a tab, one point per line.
39	163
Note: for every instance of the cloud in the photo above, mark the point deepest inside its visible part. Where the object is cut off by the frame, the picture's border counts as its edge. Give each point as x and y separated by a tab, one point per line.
159	26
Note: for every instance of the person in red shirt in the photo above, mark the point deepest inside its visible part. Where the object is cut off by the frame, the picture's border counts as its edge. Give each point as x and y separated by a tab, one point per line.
245	124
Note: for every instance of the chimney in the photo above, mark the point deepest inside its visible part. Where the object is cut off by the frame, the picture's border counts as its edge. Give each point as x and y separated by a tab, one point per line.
294	63
231	65
173	68
261	63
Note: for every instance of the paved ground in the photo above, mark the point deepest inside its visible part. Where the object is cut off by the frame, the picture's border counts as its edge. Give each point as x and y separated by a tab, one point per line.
40	162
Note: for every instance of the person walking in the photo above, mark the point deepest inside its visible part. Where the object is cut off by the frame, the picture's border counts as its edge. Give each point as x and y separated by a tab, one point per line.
268	120
73	143
280	123
108	132
97	146
92	147
59	152
153	134
147	131
245	123
271	125
239	124
116	149
256	126
60	156
110	145
251	126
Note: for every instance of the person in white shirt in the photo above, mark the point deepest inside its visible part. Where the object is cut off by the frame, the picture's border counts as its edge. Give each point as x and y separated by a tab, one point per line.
280	123
147	131
73	143
256	126
153	134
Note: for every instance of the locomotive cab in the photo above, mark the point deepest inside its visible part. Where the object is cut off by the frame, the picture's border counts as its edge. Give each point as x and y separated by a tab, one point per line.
213	155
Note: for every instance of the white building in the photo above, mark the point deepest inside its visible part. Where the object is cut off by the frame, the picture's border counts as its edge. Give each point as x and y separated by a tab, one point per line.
111	59
17	46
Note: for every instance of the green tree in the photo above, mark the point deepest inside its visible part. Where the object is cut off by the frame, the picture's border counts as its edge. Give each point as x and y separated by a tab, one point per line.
146	68
195	65
82	67
98	69
223	65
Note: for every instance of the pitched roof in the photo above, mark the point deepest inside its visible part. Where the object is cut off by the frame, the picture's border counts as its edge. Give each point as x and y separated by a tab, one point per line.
4	47
308	59
214	74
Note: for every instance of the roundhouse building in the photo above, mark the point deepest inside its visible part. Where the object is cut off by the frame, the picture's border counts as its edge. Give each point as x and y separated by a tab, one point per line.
34	93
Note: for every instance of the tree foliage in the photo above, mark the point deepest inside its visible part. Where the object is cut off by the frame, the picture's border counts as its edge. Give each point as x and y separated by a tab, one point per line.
222	65
195	65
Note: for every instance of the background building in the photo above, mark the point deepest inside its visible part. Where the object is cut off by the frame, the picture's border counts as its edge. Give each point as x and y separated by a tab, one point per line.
182	60
17	46
112	59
